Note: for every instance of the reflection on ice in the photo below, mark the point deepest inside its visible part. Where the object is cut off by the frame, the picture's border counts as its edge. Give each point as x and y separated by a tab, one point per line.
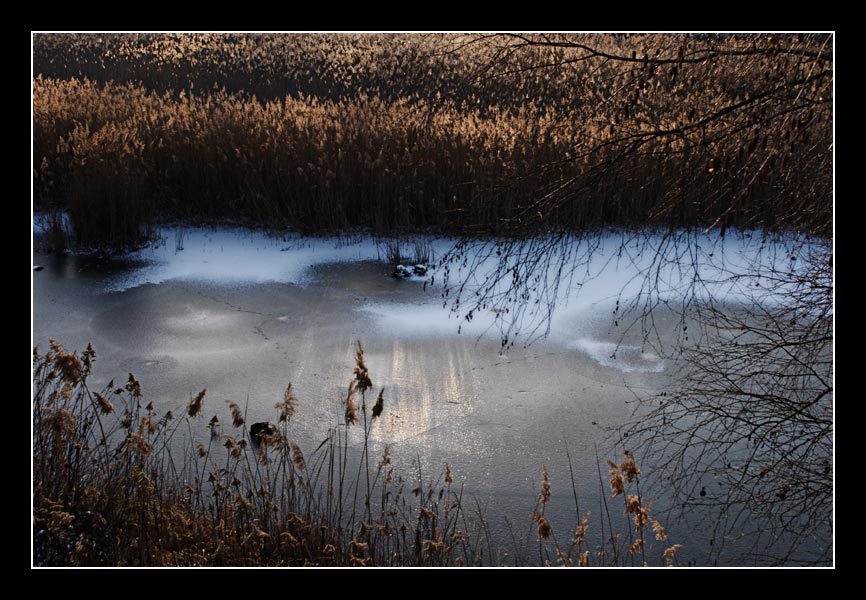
422	394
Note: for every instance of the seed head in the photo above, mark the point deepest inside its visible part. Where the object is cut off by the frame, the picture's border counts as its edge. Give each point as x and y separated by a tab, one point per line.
237	415
287	406
104	405
351	414
545	486
377	408
544	529
194	407
362	376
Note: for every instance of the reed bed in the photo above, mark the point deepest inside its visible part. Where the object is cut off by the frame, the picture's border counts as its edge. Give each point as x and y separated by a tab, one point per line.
118	483
479	134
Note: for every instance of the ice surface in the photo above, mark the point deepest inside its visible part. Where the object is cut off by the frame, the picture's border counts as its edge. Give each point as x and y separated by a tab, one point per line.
565	285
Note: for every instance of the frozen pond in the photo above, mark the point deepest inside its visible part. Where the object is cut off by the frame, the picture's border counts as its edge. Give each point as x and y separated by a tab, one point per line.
242	314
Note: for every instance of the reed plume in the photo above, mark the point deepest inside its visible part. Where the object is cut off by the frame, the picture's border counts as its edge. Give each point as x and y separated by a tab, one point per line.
193	409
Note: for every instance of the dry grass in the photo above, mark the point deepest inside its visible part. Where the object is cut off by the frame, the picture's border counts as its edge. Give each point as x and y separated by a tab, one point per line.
113	486
115	483
612	548
450	132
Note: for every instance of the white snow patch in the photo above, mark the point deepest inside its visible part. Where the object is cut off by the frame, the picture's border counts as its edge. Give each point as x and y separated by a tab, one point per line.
237	256
428	319
599	272
631	359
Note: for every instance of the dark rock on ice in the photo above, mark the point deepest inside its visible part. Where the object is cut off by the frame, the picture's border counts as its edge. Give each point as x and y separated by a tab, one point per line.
259	430
401	272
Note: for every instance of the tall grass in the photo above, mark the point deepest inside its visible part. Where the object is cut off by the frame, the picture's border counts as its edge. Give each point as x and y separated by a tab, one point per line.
449	132
118	483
